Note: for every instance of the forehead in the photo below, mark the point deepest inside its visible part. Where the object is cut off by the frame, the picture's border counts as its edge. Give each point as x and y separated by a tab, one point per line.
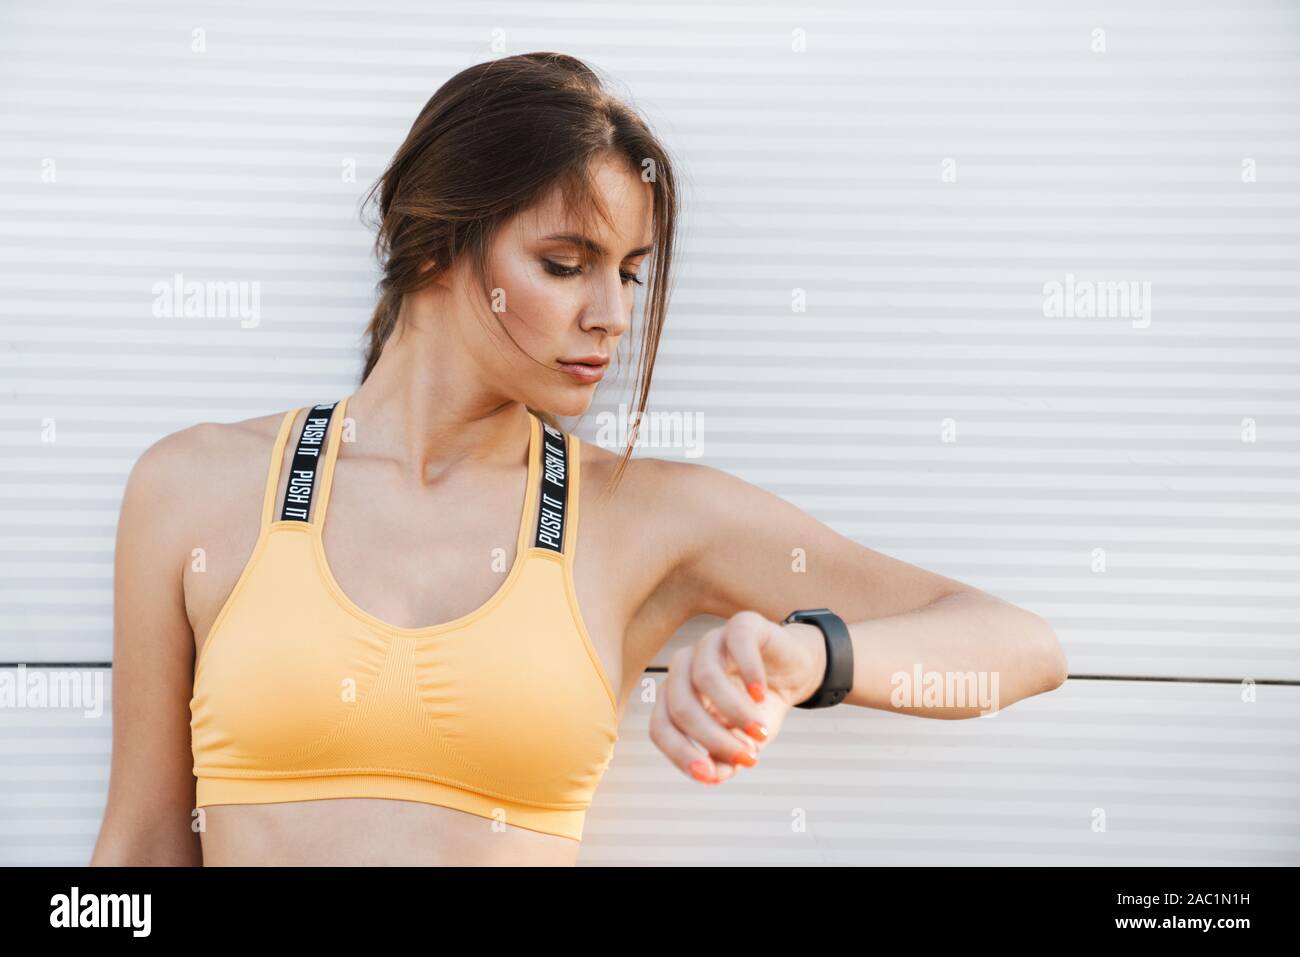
628	200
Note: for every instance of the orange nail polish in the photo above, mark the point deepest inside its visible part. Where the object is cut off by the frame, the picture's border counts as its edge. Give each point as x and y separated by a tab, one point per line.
756	691
700	771
756	730
745	758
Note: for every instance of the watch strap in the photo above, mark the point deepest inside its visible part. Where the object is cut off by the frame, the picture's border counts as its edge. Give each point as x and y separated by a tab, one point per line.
837	681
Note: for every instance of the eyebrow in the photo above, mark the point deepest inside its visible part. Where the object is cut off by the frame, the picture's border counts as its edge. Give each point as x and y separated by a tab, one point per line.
591	245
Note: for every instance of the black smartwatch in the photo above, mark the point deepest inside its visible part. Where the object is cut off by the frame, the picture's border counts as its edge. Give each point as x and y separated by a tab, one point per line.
838	680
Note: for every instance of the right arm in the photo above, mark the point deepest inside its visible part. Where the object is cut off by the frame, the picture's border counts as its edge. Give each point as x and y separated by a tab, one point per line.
147	819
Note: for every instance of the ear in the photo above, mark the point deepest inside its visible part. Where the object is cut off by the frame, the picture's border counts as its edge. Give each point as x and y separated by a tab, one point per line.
430	265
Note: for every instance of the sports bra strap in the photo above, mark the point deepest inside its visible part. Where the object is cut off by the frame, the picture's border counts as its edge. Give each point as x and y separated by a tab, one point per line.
551	516
307	460
276	466
557	512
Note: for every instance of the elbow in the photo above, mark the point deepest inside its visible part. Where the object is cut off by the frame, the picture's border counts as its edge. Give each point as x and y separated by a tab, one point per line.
145	844
1053	667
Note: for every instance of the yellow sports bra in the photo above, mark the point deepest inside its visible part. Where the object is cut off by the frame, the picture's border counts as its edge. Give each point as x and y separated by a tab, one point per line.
301	695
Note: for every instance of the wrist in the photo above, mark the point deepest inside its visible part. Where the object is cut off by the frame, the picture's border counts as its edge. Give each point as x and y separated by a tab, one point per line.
813	642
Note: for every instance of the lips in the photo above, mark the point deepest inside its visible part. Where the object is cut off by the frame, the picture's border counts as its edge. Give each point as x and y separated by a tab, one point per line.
585	368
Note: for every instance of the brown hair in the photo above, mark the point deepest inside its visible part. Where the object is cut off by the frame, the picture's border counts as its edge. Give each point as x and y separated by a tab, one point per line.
490	143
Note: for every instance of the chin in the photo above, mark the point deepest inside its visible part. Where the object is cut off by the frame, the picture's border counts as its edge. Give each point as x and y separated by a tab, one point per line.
573	401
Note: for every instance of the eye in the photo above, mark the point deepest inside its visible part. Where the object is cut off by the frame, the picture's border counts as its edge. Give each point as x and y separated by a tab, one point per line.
556	269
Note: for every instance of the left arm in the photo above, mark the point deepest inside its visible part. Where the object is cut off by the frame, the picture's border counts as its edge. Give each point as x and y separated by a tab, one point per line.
745	549
744	554
968	637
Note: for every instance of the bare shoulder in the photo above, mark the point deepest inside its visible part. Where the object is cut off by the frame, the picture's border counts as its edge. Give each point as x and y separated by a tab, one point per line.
679	505
669	493
650	525
643	499
713	543
191	481
191	466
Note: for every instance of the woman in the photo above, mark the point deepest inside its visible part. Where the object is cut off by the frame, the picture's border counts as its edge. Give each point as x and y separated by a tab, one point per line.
435	675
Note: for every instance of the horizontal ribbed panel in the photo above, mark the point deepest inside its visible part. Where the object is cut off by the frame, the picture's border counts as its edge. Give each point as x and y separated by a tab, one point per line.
919	176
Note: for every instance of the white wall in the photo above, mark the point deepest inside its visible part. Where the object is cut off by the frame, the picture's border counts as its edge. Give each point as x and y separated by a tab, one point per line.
822	171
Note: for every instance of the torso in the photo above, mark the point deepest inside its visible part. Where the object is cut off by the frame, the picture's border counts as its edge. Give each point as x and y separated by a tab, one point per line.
385	568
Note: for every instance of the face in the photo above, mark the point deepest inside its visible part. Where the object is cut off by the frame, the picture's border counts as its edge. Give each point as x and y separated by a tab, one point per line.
565	302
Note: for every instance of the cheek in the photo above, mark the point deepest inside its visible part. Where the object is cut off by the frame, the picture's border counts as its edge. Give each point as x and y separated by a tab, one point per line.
538	308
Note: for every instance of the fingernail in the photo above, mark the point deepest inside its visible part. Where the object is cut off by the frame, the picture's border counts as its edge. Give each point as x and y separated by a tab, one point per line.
756	691
700	771
745	758
756	730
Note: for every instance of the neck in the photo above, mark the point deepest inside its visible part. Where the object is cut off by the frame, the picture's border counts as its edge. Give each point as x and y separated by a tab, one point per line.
425	407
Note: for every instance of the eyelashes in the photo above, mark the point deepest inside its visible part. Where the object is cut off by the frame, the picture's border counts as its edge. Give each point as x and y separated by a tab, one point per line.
555	269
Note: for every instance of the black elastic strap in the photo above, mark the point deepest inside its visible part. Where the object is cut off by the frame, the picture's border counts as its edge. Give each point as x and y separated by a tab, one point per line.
306	463
554	489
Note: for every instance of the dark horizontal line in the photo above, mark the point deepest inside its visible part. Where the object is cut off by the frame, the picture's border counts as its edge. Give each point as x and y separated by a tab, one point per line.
1282	682
57	664
1285	682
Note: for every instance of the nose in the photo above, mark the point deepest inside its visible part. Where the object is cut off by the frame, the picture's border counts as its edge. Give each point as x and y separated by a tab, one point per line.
608	308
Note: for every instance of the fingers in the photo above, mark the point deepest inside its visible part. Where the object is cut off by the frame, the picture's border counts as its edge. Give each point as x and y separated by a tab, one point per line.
725	704
682	728
738	644
743	643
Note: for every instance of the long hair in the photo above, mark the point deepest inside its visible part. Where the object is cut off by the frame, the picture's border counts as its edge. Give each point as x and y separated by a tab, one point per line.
493	141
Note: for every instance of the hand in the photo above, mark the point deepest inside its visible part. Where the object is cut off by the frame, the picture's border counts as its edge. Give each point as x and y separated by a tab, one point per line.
725	697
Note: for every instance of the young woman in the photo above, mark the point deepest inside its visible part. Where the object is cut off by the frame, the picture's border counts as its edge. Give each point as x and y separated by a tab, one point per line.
374	631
